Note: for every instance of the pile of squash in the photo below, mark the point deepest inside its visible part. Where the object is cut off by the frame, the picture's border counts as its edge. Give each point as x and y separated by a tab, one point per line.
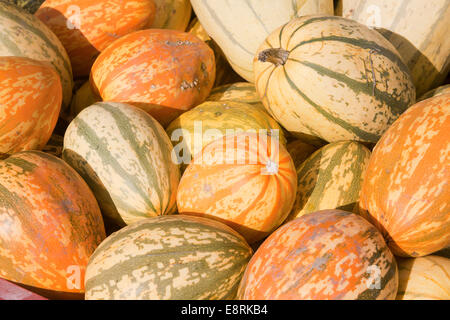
209	149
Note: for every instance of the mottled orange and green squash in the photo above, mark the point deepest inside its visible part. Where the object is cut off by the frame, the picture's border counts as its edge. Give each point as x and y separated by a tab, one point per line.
423	278
30	100
50	222
405	193
325	255
332	78
175	257
246	180
24	35
164	72
87	27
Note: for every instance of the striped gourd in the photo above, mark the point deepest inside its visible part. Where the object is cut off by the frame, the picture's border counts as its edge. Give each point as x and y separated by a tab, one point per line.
50	222
435	92
30	6
418	29
172	14
164	72
168	258
406	191
124	156
239	92
224	21
424	278
87	27
224	73
24	35
332	78
325	255
299	151
212	120
83	98
30	100
331	178
246	180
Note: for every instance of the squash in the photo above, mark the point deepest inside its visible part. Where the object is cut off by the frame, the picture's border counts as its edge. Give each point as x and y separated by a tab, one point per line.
325	255
87	27
332	78
245	180
168	258
424	278
435	92
83	98
405	191
240	26
125	157
163	72
31	6
51	223
331	178
418	29
299	151
30	100
24	35
171	14
239	92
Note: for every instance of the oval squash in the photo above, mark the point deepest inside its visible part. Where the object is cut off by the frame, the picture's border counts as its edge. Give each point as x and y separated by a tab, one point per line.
405	191
332	78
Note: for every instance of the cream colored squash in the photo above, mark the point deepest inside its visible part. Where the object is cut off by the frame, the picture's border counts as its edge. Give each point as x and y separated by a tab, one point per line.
240	26
419	29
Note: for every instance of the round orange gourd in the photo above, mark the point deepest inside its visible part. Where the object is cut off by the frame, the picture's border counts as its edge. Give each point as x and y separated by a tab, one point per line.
50	222
164	72
406	191
86	27
324	255
30	100
246	180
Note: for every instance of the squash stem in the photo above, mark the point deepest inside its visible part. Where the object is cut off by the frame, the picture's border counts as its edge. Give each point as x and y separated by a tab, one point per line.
277	56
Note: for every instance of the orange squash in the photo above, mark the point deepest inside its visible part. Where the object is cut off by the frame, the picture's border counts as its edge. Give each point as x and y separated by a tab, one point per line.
406	191
325	255
86	27
164	72
30	100
245	180
50	222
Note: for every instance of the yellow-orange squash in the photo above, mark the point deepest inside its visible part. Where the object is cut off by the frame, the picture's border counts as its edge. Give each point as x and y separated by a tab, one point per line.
406	191
164	72
30	100
246	180
171	14
86	27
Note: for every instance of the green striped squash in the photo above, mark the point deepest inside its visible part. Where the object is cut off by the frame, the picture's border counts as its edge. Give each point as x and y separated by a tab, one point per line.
435	92
332	78
215	119
124	156
24	35
331	178
168	258
418	29
239	92
30	6
424	278
240	26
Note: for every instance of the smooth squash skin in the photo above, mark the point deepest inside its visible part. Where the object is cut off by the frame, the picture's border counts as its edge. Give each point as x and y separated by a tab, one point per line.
50	223
164	72
223	21
424	278
324	255
245	180
331	78
125	157
24	35
87	27
168	258
171	14
418	30
30	99
405	191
